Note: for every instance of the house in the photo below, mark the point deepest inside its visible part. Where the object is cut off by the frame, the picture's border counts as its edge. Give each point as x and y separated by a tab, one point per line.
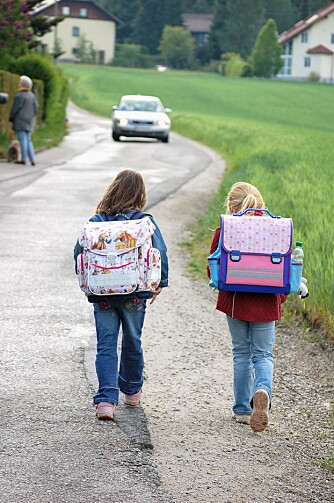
83	18
309	47
199	27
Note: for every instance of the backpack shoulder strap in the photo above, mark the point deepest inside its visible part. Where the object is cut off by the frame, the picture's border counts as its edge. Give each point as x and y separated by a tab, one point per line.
135	216
140	214
99	217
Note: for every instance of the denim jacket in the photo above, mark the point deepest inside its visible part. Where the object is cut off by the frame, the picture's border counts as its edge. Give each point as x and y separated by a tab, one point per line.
157	242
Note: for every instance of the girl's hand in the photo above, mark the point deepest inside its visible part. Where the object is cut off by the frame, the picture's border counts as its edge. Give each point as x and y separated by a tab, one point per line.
155	294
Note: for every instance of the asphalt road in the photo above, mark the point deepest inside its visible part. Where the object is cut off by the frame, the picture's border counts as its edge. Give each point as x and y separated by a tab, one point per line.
52	448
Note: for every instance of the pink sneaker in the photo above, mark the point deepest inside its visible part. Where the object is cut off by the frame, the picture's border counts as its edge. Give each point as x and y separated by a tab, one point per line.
260	417
132	400
105	411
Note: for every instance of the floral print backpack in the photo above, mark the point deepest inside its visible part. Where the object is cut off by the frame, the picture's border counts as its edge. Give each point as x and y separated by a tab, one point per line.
118	257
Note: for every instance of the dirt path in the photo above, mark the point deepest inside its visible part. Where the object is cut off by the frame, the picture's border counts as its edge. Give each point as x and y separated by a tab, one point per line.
201	453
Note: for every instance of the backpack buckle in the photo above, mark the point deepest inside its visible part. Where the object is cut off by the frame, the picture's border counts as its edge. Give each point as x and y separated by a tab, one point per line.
276	258
235	255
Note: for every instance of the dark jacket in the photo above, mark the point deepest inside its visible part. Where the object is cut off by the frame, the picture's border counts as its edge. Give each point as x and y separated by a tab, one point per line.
157	242
23	111
253	307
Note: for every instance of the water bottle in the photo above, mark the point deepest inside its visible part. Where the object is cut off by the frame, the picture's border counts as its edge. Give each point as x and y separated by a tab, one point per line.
298	254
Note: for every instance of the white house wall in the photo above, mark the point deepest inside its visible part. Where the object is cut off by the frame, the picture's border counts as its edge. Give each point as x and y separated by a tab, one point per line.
318	34
101	33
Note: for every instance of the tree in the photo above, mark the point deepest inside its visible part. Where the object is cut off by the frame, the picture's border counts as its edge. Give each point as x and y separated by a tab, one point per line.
128	16
217	28
266	58
15	29
304	9
176	46
150	23
282	11
241	26
40	24
198	6
173	11
86	52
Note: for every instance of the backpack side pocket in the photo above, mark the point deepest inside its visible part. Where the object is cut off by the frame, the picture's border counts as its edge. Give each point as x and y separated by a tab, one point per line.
153	269
296	271
214	263
82	272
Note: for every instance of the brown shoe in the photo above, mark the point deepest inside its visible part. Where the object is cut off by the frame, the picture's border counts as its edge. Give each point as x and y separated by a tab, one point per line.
260	417
105	411
132	400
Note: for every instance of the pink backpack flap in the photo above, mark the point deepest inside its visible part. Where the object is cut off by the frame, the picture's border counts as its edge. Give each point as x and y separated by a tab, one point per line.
118	257
255	253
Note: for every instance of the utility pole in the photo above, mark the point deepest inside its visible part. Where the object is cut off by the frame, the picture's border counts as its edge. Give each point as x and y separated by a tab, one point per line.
55	32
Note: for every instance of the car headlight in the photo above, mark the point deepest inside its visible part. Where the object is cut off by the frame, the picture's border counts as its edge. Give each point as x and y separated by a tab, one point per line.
123	122
162	123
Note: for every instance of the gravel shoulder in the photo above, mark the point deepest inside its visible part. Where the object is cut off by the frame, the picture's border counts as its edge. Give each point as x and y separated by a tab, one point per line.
201	453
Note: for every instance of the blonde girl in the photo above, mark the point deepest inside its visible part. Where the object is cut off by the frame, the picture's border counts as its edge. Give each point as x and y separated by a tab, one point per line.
251	319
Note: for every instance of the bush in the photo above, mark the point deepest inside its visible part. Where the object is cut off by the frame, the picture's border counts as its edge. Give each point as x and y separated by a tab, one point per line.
232	65
247	71
213	66
56	88
314	77
134	56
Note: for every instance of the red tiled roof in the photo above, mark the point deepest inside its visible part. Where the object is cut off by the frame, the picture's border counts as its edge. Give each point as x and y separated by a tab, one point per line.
319	49
304	24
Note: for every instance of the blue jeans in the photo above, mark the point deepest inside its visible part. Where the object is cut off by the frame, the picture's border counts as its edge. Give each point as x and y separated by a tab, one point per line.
27	148
253	363
109	317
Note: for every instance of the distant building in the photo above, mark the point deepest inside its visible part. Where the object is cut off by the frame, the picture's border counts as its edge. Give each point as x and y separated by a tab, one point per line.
309	47
199	26
83	17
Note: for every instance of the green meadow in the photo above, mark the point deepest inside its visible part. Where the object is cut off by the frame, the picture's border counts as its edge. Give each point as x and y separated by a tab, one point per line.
276	135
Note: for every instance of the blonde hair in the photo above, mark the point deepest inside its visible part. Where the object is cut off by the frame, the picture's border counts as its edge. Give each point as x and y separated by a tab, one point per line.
242	196
126	192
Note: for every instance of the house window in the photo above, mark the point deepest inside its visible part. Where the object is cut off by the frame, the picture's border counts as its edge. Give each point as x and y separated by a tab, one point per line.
66	11
83	12
286	69
304	37
75	31
307	61
332	38
287	49
75	51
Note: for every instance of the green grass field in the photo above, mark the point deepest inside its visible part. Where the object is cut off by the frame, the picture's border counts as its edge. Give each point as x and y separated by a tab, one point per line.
276	135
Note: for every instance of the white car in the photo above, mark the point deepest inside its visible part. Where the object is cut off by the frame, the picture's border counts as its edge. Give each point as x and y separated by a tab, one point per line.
143	116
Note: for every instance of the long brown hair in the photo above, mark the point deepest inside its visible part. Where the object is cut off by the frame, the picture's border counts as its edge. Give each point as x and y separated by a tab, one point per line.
126	192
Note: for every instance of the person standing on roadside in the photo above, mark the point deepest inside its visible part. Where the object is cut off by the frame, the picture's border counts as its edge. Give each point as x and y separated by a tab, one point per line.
124	199
22	114
251	320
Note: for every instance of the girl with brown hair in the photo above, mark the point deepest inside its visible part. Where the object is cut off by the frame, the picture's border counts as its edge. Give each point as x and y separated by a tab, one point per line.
124	199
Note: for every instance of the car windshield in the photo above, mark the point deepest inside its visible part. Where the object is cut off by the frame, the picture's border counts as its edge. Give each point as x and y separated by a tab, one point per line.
141	106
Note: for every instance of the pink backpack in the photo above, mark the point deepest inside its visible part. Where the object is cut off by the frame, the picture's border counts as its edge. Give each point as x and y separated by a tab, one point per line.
254	254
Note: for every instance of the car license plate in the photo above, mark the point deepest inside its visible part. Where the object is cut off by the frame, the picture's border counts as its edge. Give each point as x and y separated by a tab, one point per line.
142	128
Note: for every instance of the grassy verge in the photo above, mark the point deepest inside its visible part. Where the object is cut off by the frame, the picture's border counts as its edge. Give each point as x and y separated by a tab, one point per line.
276	135
43	138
